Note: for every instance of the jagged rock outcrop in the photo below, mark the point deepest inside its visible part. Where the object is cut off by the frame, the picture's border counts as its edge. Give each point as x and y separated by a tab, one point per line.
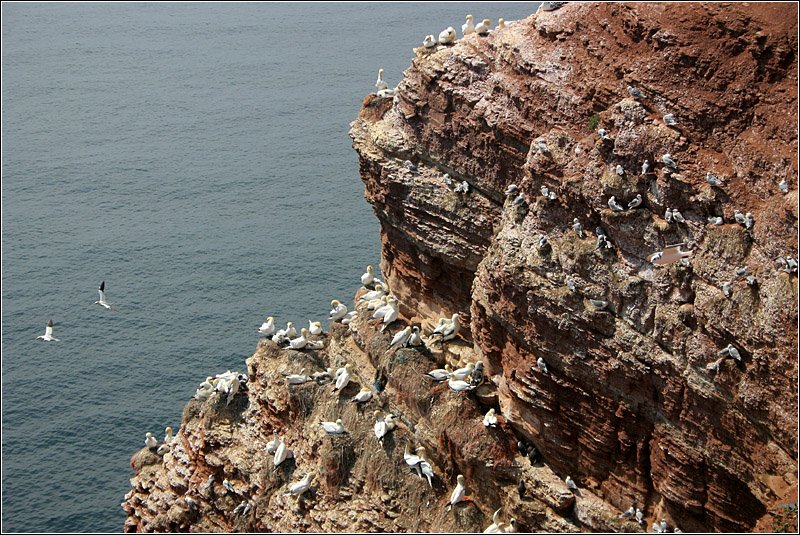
362	485
629	407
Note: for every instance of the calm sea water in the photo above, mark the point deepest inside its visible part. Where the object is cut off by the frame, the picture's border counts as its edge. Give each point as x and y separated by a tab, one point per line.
196	158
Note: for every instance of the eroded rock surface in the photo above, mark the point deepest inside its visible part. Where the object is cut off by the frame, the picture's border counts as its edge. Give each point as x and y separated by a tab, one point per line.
637	405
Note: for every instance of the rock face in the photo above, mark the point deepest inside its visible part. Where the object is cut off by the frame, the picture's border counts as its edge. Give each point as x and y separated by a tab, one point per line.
629	407
637	406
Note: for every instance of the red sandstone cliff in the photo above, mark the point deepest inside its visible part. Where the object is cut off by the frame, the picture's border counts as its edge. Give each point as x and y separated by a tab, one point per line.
629	407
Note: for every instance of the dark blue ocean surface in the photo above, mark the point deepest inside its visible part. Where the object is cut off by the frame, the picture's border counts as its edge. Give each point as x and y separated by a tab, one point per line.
196	158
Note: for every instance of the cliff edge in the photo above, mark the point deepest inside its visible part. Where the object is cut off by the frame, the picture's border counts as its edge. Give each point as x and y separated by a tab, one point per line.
637	404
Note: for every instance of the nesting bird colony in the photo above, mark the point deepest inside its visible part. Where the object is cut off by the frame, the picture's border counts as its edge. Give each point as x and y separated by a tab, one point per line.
376	296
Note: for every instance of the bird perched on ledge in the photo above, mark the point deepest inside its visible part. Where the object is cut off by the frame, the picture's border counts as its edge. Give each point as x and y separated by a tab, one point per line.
447	36
468	27
381	83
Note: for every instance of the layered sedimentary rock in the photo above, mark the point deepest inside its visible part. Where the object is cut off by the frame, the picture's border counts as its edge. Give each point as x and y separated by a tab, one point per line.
637	406
629	404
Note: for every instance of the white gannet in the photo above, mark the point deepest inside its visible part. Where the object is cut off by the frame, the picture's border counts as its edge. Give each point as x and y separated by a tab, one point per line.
338	311
298	378
429	41
227	383
168	435
401	338
670	255
462	373
468	27
349	317
415	339
390	306
368	277
380	427
301	486
614	205
458	493
390	423
377	303
102	301
268	327
334	428
447	329
282	452
315	327
342	377
635	202
377	293
412	459
482	28
205	389
570	484
300	342
440	374
283	335
392	313
150	441
386	93
496	522
458	386
381	83
542	365
425	466
490	420
272	445
48	333
315	344
501	23
364	395
233	388
447	36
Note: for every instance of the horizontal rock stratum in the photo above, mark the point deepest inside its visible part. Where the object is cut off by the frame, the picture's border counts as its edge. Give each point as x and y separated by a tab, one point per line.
638	405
